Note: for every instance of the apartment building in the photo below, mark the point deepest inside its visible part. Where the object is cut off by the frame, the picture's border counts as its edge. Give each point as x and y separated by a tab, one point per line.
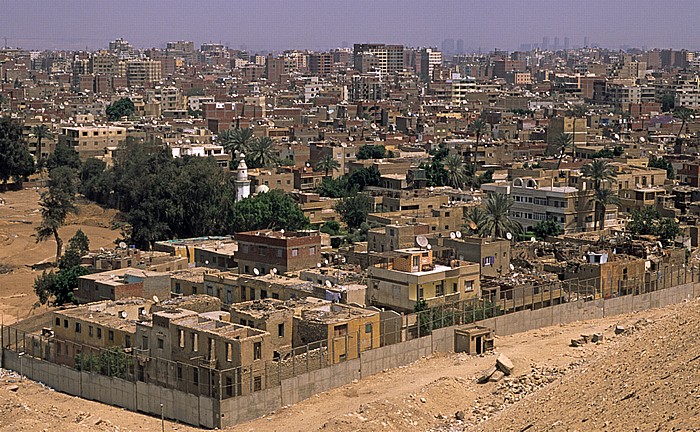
389	58
122	283
409	275
284	251
142	72
92	141
492	255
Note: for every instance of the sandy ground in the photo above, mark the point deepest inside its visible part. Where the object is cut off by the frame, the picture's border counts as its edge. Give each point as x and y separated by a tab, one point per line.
422	396
19	216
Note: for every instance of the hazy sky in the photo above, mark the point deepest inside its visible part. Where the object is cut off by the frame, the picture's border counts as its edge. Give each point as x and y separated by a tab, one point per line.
317	24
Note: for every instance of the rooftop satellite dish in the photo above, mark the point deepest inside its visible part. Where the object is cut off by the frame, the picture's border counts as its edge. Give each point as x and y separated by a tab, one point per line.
206	262
458	234
318	265
509	236
272	272
512	267
282	231
429	247
422	241
275	271
156	299
143	312
325	262
256	272
532	239
453	235
102	249
122	245
329	283
122	315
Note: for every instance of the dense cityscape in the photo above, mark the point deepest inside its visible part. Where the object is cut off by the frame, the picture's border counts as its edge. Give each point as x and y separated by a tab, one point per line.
273	225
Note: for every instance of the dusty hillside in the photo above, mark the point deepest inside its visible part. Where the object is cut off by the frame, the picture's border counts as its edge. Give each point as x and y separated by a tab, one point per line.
648	380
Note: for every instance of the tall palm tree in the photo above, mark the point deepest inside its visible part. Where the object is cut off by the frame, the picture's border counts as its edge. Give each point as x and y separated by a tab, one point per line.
260	153
684	114
600	171
602	199
40	131
497	221
327	163
477	127
576	111
456	171
563	141
236	140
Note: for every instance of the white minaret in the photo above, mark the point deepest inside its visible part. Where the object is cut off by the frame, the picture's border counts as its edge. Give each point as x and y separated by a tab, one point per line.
242	183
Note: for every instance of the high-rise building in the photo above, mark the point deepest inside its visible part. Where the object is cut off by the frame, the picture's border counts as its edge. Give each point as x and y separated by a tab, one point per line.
545	43
429	58
460	46
566	43
140	72
321	64
389	58
448	46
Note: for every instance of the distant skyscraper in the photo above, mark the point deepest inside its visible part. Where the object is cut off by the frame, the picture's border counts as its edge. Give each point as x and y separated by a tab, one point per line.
556	43
545	43
460	46
448	46
566	43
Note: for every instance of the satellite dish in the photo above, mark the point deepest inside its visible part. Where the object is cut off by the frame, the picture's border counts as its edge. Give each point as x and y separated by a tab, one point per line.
122	314
274	270
509	236
206	262
143	312
429	247
329	283
422	241
156	299
532	239
318	265
122	245
102	249
458	234
512	267
282	231
256	271
472	225
453	235
325	262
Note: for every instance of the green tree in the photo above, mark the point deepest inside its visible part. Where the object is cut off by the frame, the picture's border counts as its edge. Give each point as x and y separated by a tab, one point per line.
63	156
335	188
370	151
456	172
330	227
474	218
40	132
497	221
93	180
602	199
435	171
364	177
260	153
124	107
56	203
58	285
270	210
648	221
601	172
327	163
668	102
353	210
16	162
684	114
78	246
237	140
548	228
661	162
563	141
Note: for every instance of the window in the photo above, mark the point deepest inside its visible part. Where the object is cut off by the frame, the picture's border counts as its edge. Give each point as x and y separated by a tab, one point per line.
280	329
161	343
312	250
58	322
179	372
90	331
195	342
454	287
439	289
229	387
420	293
257	350
340	330
262	250
127	341
257	383
77	327
487	261
469	285
243	296
181	338
177	288
144	342
263	294
195	376
229	352
279	252
110	335
368	328
99	333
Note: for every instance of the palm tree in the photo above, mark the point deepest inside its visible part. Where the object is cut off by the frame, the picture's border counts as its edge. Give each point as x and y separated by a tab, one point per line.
327	163
474	219
260	153
236	140
55	205
477	127
576	111
564	140
602	199
40	131
600	171
496	219
684	114
456	171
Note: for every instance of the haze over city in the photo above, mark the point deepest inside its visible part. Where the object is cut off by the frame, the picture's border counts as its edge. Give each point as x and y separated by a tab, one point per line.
314	24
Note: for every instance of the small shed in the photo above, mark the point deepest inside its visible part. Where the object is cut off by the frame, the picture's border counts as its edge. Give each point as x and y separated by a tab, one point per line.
473	339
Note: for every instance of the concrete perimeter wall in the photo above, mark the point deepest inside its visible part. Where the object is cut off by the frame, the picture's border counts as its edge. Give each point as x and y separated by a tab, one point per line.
208	412
138	396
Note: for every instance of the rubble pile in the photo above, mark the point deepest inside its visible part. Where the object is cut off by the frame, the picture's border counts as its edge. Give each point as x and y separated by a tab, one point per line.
584	339
516	388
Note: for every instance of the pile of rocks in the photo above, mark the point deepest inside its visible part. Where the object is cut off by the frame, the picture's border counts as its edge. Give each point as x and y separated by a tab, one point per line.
584	339
495	373
515	389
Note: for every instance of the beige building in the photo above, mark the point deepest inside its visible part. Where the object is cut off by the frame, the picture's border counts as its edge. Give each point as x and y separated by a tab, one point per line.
142	72
92	141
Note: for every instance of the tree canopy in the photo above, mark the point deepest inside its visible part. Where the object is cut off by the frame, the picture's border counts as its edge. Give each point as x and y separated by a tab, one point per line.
648	221
16	162
124	107
370	151
354	209
56	203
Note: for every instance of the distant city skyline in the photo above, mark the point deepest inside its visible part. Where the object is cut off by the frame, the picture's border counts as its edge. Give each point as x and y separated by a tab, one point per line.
276	24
